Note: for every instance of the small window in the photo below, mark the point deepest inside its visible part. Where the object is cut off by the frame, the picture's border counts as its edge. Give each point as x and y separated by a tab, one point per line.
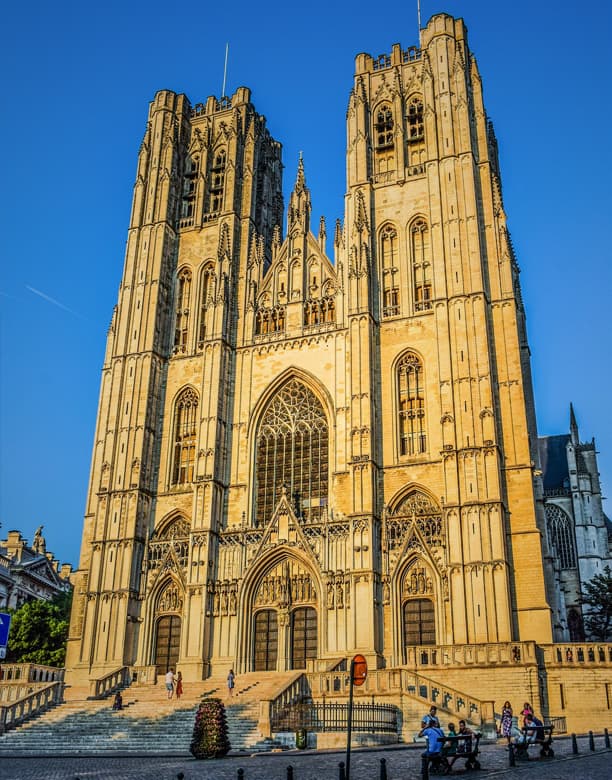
183	295
421	265
411	405
185	432
390	272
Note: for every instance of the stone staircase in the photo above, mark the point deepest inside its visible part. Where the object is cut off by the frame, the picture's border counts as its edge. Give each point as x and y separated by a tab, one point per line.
149	723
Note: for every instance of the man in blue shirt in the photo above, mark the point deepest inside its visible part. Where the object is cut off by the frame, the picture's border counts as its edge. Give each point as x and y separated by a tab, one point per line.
434	748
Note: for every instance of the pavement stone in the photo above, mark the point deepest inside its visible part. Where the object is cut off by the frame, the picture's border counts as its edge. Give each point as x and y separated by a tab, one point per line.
402	762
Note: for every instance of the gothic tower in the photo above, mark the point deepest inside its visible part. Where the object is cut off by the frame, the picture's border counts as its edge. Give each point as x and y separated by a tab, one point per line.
297	459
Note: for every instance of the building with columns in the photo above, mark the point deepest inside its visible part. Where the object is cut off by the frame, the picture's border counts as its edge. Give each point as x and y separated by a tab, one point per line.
310	445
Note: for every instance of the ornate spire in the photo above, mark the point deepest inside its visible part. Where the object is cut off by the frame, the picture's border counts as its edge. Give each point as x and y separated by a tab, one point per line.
299	202
573	426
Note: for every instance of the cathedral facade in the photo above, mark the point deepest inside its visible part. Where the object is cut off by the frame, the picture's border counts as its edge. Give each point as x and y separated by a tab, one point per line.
300	455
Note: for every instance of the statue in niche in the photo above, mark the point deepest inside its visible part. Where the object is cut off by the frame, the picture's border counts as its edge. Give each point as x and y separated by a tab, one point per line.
330	595
386	593
339	595
232	600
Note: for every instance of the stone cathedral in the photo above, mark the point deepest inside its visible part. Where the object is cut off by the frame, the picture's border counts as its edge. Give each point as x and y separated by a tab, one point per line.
300	455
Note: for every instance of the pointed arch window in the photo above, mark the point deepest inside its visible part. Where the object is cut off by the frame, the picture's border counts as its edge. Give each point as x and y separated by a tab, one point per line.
185	433
384	127
206	292
183	295
416	136
390	272
190	187
292	454
216	187
416	128
411	405
420	241
384	143
561	535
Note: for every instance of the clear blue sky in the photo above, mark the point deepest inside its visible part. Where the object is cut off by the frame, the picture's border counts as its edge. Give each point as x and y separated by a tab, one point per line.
78	78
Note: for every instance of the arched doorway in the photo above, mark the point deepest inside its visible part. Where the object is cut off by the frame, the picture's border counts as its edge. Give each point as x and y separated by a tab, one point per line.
266	641
303	636
167	642
285	621
168	627
419	622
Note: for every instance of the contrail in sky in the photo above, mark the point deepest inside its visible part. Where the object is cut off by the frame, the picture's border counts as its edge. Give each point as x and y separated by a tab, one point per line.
53	301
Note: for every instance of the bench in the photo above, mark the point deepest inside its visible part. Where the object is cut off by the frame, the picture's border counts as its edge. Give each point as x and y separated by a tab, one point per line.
544	741
459	747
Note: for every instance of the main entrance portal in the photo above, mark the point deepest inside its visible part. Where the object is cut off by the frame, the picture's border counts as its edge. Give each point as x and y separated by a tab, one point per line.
285	624
167	643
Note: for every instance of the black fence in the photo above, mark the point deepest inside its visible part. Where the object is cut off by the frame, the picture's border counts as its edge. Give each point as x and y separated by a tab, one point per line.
328	716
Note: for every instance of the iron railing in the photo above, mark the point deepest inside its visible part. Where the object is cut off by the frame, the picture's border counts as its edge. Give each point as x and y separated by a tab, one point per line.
330	716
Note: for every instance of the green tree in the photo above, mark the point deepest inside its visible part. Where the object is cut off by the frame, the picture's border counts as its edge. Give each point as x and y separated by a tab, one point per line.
39	631
597	598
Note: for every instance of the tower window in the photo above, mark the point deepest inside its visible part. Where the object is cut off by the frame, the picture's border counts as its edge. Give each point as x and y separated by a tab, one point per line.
216	186
185	432
411	405
415	120
206	291
384	127
182	310
390	272
190	187
421	265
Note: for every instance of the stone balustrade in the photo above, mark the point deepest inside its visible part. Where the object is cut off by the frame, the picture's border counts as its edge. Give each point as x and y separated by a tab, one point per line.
12	715
110	683
34	673
578	654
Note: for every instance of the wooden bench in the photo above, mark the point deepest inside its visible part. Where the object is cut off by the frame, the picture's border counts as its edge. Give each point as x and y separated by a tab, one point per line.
461	747
544	741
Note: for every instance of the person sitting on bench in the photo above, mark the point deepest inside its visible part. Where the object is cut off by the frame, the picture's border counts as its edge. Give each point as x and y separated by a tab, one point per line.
534	729
434	747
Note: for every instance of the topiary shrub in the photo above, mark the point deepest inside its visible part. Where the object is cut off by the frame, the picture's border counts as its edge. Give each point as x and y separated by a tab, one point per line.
210	730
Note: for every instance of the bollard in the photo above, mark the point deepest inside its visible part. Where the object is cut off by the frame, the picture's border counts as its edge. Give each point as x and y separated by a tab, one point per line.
341	775
289	772
511	757
606	738
591	741
383	769
240	775
574	745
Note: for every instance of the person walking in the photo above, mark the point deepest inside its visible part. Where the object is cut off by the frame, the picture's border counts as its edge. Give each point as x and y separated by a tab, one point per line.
506	721
231	679
170	682
179	685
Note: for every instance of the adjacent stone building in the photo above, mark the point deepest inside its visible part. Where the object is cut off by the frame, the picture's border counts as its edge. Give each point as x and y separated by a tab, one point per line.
29	572
301	455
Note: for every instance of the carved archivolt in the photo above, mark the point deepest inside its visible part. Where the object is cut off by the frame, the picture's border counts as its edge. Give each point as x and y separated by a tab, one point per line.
170	599
289	583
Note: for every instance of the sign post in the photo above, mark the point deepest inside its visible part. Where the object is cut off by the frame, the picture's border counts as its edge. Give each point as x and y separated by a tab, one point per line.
358	674
5	626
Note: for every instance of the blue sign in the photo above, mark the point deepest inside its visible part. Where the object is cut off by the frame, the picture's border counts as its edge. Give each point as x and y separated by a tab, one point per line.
5	624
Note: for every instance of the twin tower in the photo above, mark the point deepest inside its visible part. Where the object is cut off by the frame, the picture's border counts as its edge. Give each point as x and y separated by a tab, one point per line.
300	457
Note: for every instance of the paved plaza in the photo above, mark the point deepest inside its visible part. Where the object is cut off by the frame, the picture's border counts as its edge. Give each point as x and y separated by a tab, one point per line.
403	763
